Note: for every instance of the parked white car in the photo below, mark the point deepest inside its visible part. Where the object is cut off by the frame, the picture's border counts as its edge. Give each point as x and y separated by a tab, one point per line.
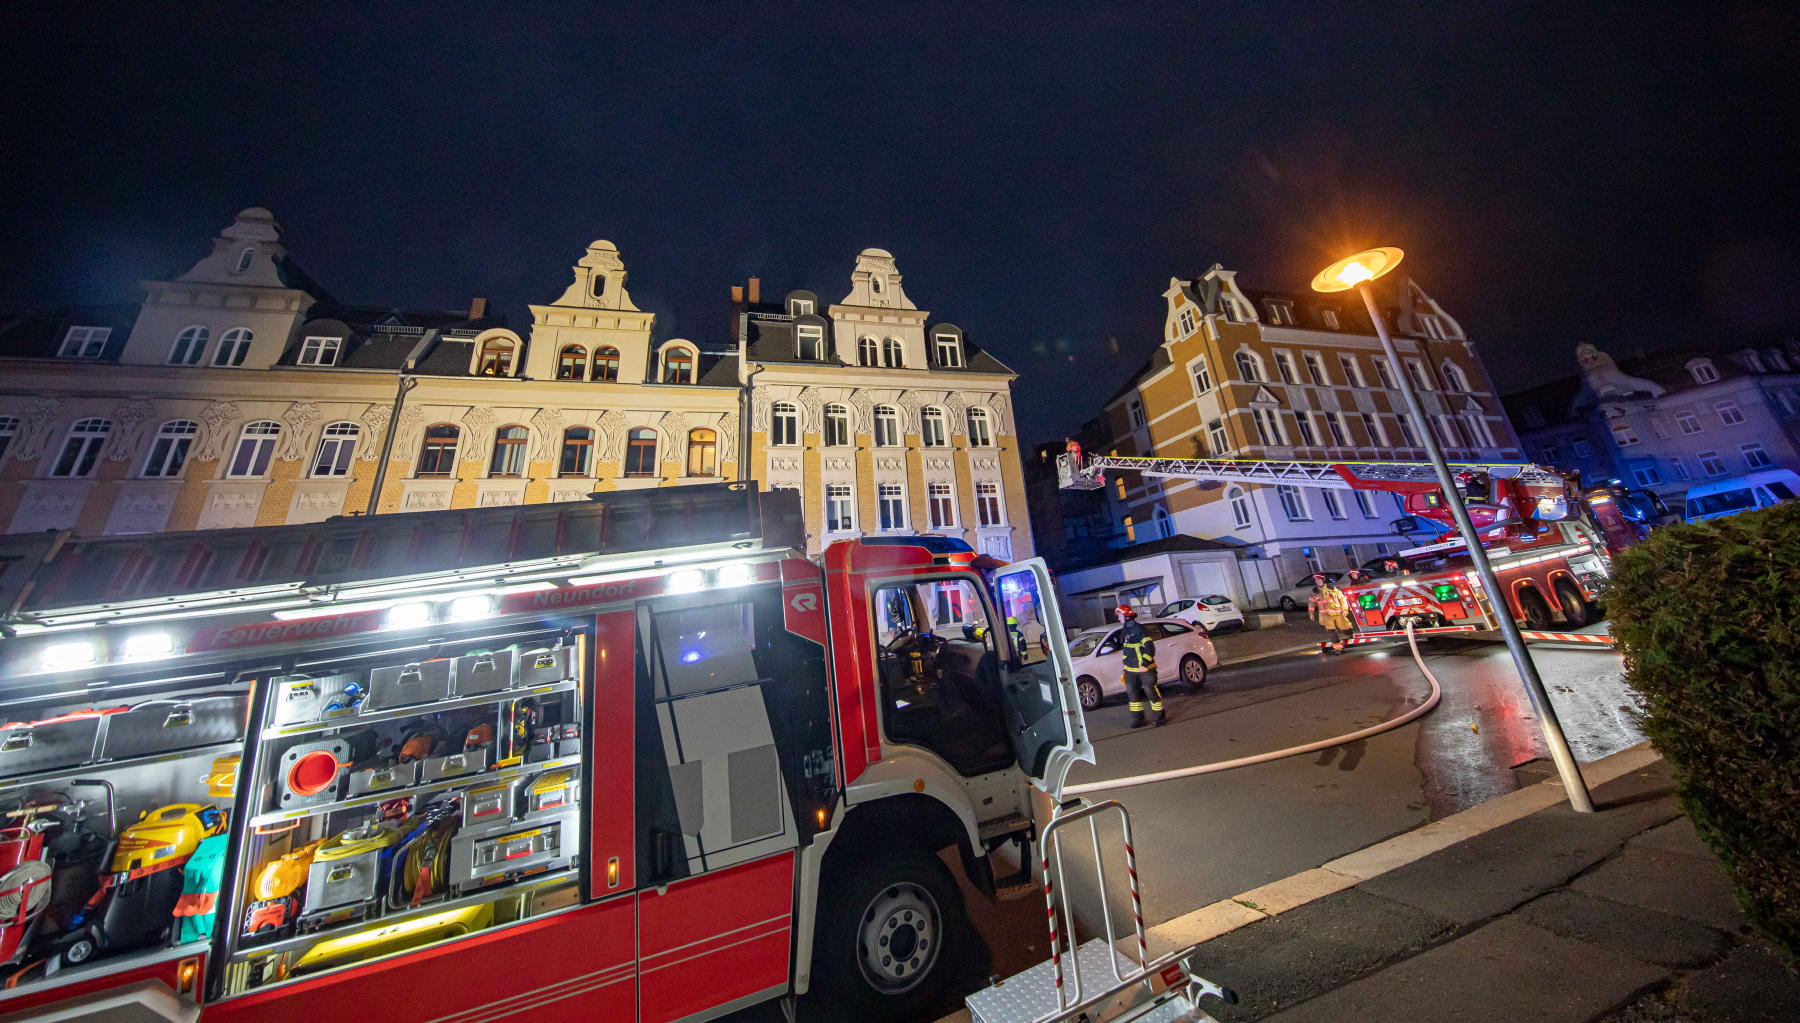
1214	611
1296	597
1183	653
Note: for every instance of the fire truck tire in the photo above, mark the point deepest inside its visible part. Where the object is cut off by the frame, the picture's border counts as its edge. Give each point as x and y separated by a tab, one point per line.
1575	607
1193	672
1090	692
894	940
1536	611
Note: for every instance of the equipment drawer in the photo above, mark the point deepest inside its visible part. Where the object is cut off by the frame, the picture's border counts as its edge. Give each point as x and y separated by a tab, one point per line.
303	700
483	856
406	684
488	671
381	779
540	667
453	765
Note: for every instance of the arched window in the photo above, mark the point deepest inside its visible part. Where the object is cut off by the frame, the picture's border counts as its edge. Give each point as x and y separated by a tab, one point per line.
188	346
437	455
82	448
1240	507
933	431
577	452
508	460
887	426
606	363
640	452
678	366
703	452
1248	367
1454	378
784	424
837	425
169	451
234	345
893	353
981	428
496	358
809	342
868	352
337	449
571	362
255	447
1159	523
244	258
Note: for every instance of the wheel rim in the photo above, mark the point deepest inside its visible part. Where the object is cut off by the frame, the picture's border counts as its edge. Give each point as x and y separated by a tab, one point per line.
1574	608
80	952
1090	695
1194	671
899	938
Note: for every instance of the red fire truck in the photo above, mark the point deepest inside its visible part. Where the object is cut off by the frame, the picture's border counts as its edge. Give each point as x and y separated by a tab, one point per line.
628	759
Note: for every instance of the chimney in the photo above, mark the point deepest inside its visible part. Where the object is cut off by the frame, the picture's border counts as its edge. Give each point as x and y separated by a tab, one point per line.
737	294
755	290
477	308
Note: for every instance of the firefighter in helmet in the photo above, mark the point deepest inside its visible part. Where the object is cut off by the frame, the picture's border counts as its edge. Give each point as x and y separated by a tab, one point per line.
1140	667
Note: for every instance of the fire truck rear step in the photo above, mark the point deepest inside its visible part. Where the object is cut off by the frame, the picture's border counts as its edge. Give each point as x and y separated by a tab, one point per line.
1000	827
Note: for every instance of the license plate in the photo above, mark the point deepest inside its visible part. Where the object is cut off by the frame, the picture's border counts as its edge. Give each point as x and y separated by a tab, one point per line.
1408	601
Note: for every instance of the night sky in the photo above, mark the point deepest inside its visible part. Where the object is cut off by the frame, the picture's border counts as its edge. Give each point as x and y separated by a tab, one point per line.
1625	176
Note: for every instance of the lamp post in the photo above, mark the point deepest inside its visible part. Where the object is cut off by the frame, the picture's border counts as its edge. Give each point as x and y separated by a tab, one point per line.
1355	273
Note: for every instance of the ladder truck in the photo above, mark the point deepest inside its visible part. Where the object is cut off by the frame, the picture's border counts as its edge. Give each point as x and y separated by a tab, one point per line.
1550	543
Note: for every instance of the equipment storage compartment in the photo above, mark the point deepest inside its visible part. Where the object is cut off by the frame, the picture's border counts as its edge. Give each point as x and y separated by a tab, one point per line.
421	818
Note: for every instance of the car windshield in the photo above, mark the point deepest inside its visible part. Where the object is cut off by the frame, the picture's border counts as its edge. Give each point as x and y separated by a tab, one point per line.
1086	643
1174	606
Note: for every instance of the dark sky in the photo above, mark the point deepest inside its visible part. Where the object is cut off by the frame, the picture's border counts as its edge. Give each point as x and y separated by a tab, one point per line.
1557	174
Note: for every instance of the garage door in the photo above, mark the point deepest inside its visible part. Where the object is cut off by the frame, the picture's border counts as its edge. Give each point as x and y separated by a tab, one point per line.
1200	578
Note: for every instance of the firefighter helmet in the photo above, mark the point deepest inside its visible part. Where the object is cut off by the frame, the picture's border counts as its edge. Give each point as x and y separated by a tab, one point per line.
1127	610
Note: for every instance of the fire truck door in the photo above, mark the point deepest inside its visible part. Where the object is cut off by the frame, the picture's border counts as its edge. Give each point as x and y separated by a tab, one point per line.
1042	709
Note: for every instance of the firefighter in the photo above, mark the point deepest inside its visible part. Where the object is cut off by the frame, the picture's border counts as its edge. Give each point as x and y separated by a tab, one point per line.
1139	659
1331	609
1015	636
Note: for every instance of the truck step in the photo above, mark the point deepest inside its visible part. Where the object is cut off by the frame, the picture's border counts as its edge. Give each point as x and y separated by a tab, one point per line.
1012	823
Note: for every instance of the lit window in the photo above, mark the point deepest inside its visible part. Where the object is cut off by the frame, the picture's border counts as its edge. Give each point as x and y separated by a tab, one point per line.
1215	437
319	351
337	447
1385	371
891	504
571	362
1315	368
234	346
606	363
933	430
1186	322
1268	425
809	341
1248	368
838	508
837	426
987	504
189	344
255	448
1293	503
84	342
1240	507
1687	422
1335	426
949	350
887	426
703	452
1711	464
784	424
1130	530
1729	413
1333	505
1352	370
678	366
169	451
893	353
437	454
981	430
640	452
577	452
1202	377
941	504
508	460
9	428
1284	367
1623	435
1703	370
1135	409
496	358
868	352
1755	457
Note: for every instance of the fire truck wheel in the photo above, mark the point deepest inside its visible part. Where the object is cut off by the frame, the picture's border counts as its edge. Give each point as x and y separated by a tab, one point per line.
1536	611
1193	672
895	936
1089	691
1576	610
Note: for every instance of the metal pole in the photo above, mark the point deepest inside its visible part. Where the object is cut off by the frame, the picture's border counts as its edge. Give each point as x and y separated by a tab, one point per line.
405	382
1566	767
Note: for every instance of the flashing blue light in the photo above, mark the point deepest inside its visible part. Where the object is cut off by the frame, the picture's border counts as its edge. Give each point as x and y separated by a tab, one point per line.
690	657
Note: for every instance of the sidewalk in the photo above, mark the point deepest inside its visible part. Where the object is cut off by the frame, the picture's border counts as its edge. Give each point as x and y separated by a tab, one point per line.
1254	644
1620	916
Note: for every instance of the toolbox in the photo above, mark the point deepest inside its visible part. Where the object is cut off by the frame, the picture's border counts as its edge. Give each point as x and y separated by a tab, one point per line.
485	671
549	791
485	804
347	869
483	856
406	684
381	779
454	765
542	667
304	700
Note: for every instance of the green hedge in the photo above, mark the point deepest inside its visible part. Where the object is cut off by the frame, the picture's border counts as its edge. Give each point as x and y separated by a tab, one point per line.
1708	617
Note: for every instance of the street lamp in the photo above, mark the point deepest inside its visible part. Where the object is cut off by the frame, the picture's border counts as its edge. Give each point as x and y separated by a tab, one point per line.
1355	272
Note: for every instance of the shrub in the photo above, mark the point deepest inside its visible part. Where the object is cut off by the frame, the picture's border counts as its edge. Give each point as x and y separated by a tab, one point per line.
1708	618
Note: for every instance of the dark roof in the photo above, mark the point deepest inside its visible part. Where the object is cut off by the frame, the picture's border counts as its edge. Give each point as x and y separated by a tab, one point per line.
1553	399
769	337
1180	543
1565	399
39	334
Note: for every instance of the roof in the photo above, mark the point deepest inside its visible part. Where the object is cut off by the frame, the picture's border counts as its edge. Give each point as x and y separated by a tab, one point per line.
1129	584
1566	399
39	334
769	337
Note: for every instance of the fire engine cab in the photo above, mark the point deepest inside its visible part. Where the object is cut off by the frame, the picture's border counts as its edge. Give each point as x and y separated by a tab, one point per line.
633	758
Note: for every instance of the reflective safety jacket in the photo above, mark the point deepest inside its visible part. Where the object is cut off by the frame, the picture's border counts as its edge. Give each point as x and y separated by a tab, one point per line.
1139	648
1333	601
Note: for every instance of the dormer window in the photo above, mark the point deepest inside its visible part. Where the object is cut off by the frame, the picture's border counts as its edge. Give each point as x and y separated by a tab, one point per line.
234	345
319	351
809	341
1186	322
949	350
893	353
496	358
800	307
1753	362
571	362
244	258
1432	326
1280	312
868	352
84	342
678	365
1329	318
606	363
189	344
1703	371
1779	361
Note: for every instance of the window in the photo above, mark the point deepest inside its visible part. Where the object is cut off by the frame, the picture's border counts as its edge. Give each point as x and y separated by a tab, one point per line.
1711	464
84	342
1315	368
508	460
1755	457
1660	428
678	365
981	428
437	454
1352	370
1365	504
1329	318
244	258
890	504
1454	378
1279	312
1581	447
496	358
1372	427
1687	422
606	363
1646	475
1385	371
868	352
838	509
1784	399
1293	503
1240	507
987	503
1703	371
1552	454
1779	361
1729	414
949	350
784	424
1307	437
1408	429
810	342
837	426
1334	506
597	285
189	344
1135	409
1753	362
1334	425
640	452
577	452
1202	377
1284	367
1268	425
703	452
1186	322
887	426
255	447
9	428
319	351
1680	468
234	346
1215	437
1434	327
800	307
940	505
893	354
337	447
169	451
933	431
1415	371
571	362
1478	430
1624	435
1248	367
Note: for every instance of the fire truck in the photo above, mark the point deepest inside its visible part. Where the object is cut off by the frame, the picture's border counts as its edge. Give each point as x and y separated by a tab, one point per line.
633	758
1548	541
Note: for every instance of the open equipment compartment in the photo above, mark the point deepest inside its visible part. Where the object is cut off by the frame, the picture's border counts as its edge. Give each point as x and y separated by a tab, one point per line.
402	795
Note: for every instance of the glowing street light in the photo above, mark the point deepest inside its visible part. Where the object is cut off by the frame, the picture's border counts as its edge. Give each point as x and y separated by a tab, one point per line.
1355	272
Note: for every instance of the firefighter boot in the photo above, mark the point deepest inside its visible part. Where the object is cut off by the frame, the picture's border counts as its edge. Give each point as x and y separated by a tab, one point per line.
1137	717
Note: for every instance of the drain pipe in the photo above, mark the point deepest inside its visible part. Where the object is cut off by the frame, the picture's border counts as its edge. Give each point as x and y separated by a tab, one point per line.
404	381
